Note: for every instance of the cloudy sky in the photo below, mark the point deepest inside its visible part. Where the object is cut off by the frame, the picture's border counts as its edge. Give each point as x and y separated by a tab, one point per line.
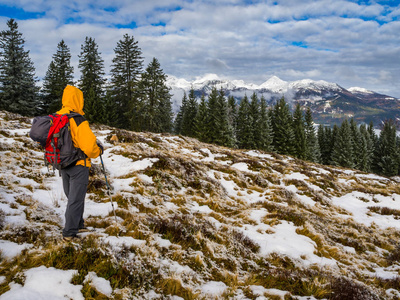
352	43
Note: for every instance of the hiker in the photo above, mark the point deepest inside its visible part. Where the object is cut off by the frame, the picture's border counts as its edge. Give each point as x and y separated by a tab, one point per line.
75	177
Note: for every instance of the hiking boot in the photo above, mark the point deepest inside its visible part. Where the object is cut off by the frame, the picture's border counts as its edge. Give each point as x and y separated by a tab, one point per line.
72	239
84	229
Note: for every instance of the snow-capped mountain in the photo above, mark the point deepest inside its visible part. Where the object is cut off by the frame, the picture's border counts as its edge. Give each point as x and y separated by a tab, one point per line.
330	102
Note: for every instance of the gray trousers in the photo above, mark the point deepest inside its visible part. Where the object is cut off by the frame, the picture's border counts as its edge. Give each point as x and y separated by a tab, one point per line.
75	181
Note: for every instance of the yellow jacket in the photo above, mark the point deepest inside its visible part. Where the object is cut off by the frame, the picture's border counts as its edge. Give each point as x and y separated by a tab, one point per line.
82	135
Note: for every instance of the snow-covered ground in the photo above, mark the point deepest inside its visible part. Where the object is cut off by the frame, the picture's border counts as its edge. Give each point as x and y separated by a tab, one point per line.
207	220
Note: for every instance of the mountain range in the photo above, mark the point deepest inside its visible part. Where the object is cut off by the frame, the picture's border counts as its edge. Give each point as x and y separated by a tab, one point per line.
330	102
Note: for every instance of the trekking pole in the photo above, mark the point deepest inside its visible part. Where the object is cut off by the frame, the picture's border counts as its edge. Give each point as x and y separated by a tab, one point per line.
108	188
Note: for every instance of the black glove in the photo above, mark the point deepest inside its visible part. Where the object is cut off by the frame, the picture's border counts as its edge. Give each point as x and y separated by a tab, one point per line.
101	147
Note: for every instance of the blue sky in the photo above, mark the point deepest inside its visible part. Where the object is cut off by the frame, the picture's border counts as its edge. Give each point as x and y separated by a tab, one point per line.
352	43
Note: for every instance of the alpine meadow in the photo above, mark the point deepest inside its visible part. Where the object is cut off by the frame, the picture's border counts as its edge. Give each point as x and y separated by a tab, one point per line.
217	195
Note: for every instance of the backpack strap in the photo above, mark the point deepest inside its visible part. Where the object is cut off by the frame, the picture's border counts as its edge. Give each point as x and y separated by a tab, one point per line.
78	118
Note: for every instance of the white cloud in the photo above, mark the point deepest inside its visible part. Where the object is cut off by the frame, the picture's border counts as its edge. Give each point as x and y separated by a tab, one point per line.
317	39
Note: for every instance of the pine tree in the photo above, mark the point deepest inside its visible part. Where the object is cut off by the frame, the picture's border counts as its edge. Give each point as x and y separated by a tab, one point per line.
110	111
245	138
300	143
200	123
179	117
212	117
125	73
155	100
232	114
265	138
189	115
325	142
92	80
18	91
59	74
367	149
342	152
283	128
313	151
357	143
388	160
225	133
255	117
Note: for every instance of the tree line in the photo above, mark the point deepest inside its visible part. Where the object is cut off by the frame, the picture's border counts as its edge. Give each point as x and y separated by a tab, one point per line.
132	98
252	124
139	100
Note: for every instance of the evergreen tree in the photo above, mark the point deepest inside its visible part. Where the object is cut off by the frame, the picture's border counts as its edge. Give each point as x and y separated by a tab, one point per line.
110	111
388	159
283	128
200	122
189	115
342	152
232	114
358	144
18	91
212	117
245	138
225	133
179	117
155	100
367	149
334	136
313	150
325	142
125	73
300	143
255	117
92	80
265	138
59	74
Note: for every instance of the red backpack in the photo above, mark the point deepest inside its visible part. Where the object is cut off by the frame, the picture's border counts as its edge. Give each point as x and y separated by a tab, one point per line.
54	135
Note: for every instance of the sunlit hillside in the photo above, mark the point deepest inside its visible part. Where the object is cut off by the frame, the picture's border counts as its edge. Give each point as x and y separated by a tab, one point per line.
195	221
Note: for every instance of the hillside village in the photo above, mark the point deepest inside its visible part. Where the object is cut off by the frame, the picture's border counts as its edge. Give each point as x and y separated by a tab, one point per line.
195	221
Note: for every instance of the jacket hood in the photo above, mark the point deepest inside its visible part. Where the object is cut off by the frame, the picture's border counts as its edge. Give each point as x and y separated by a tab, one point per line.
72	101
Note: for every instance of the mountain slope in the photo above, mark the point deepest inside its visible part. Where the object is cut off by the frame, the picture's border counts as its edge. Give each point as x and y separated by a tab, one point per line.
330	103
196	221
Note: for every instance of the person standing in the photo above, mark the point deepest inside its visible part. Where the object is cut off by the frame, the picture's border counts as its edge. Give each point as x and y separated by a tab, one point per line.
75	178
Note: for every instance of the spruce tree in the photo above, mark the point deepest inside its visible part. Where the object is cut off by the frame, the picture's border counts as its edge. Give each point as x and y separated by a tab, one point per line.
245	132
300	143
342	152
189	115
325	142
313	151
18	91
200	122
232	114
212	117
125	73
179	117
155	100
283	128
388	159
59	74
255	116
264	140
225	133
92	80
111	111
358	144
367	149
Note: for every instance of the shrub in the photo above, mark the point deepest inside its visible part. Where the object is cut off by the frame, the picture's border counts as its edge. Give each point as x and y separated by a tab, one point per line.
343	288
